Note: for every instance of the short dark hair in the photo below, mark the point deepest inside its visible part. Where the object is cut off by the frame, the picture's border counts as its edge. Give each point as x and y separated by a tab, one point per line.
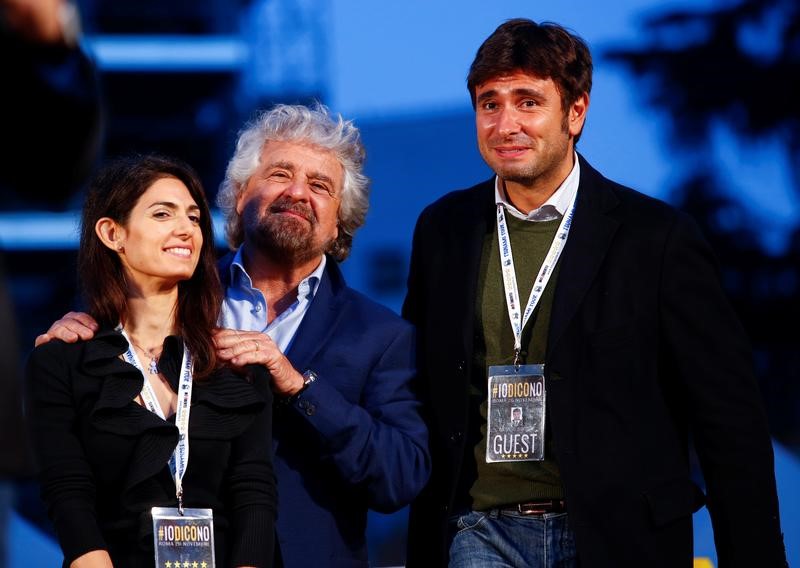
546	50
113	193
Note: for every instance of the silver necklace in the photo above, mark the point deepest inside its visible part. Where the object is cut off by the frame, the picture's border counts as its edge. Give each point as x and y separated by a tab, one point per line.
152	368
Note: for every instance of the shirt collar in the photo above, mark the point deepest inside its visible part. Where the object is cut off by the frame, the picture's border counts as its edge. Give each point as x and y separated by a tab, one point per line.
555	206
307	287
238	274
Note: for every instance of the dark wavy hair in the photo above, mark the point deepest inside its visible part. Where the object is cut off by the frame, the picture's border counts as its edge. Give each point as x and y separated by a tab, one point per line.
113	193
546	50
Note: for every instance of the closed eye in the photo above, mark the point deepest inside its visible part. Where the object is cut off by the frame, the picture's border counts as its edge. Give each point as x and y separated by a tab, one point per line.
279	175
321	188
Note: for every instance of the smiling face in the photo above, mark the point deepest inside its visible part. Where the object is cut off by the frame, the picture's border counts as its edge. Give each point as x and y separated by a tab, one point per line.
290	205
161	240
523	132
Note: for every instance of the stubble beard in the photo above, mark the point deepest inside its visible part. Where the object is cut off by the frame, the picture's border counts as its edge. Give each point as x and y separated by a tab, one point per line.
539	167
525	175
546	160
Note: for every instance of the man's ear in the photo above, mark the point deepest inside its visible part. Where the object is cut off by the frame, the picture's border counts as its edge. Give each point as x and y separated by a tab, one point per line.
110	234
577	114
240	199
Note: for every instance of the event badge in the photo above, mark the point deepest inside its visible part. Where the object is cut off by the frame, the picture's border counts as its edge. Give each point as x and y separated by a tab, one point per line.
183	537
516	413
183	540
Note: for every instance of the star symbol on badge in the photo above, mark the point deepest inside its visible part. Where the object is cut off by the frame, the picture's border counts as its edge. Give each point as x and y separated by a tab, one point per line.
167	564
195	564
186	564
203	564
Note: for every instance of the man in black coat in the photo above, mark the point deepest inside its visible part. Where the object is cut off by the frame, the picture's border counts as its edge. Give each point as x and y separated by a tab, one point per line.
551	277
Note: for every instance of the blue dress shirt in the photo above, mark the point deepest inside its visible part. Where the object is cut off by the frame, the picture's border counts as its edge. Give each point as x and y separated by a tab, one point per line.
245	307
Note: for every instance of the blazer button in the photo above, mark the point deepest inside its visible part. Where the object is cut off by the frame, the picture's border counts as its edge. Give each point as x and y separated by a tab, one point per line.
455	437
461	366
311	409
303	404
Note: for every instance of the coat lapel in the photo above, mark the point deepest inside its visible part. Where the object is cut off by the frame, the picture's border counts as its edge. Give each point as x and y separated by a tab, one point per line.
467	257
590	236
321	319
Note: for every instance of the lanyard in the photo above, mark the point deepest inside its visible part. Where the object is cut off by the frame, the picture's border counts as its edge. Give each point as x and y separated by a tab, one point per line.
180	457
518	321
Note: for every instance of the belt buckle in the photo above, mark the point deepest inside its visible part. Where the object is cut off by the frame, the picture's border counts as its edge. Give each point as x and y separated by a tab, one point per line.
533	508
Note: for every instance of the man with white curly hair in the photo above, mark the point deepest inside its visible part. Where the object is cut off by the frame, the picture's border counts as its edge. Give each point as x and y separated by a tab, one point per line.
348	436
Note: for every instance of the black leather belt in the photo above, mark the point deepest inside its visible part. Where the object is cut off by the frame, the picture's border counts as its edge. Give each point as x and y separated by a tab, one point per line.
538	507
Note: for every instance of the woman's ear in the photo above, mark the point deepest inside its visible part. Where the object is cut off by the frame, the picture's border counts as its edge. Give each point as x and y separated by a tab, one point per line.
111	234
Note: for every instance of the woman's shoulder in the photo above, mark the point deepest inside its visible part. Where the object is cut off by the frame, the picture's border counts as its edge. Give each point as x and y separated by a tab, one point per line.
56	355
56	352
227	402
50	369
229	388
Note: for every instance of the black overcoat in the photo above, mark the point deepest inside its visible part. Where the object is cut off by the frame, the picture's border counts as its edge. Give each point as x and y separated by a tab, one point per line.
643	349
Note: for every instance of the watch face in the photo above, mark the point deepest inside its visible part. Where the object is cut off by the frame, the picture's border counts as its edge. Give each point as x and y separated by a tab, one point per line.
310	377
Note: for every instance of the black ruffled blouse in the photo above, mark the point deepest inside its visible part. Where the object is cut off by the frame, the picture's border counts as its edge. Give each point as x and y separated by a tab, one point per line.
103	457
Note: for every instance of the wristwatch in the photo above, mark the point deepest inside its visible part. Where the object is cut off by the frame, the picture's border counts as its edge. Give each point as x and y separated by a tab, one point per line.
309	377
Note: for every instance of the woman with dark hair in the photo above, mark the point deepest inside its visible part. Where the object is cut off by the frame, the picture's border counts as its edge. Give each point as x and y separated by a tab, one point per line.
144	416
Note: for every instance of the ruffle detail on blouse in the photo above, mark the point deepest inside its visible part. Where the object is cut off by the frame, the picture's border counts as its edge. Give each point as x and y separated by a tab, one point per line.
223	406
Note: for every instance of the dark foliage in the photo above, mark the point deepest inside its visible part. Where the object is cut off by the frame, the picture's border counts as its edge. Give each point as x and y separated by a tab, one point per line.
736	66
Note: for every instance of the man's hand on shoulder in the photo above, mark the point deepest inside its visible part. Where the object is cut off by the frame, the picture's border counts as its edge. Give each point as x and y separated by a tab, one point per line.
73	327
240	348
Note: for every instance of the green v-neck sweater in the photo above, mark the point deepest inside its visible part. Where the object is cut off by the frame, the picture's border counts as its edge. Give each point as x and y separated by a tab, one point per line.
508	483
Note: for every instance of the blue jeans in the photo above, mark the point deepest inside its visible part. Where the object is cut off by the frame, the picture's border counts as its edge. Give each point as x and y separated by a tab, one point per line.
501	538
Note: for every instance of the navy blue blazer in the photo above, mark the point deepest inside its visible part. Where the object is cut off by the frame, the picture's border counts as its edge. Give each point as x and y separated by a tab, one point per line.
643	348
354	439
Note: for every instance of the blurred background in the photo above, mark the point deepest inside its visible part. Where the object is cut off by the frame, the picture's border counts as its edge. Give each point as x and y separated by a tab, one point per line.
694	102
